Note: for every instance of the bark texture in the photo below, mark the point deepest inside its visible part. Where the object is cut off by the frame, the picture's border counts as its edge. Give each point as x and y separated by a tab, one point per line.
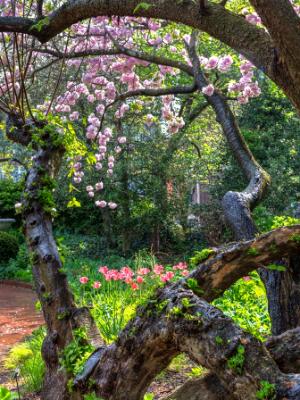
51	285
237	206
176	320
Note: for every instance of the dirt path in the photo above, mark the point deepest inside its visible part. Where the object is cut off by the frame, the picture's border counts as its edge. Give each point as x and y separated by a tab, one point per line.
18	317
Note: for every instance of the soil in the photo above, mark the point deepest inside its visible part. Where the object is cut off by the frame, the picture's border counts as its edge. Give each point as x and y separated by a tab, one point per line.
18	318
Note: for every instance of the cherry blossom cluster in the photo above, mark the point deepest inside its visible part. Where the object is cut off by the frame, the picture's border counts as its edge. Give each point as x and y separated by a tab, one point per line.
246	88
104	79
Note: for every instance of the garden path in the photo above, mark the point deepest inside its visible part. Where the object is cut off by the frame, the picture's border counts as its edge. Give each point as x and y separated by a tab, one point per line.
18	316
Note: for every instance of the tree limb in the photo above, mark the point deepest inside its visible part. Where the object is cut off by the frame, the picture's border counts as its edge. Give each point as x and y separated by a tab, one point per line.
237	206
39	8
177	321
13	160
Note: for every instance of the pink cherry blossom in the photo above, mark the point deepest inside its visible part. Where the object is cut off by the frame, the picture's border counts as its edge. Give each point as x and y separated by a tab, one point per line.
122	139
99	186
212	62
112	205
208	90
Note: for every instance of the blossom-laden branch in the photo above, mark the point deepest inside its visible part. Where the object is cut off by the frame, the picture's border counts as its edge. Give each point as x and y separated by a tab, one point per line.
237	206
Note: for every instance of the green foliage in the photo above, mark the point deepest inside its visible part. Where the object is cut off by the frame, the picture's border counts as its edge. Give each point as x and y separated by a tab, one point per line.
28	359
267	391
219	340
77	352
9	246
91	396
276	267
142	6
73	203
196	372
295	238
252	251
18	268
10	193
200	256
194	286
6	394
246	303
148	396
40	24
284	220
112	310
236	362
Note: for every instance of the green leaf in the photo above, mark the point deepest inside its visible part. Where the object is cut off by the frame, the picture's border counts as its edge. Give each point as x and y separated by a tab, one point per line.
74	203
142	6
275	267
5	394
149	396
40	24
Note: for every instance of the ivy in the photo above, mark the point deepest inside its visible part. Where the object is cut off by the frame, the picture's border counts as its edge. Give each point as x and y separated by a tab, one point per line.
142	6
236	362
267	391
77	352
201	256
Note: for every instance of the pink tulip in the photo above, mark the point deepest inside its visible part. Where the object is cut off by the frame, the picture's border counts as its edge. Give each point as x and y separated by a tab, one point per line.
83	280
96	285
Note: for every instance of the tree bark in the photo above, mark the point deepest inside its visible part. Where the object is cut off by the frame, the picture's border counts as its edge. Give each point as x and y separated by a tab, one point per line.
178	321
175	320
60	313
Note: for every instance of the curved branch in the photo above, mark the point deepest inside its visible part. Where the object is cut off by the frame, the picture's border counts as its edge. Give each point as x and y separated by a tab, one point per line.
165	327
177	321
283	24
237	206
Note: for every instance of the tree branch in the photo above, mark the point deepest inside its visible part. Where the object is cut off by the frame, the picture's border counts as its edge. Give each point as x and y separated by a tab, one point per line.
13	160
39	8
237	206
158	92
177	321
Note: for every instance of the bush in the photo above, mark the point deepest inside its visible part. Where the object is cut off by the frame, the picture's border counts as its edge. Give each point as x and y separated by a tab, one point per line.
28	359
10	193
18	268
9	246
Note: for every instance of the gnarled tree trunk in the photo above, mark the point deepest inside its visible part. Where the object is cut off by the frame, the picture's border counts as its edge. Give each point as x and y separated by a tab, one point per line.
60	313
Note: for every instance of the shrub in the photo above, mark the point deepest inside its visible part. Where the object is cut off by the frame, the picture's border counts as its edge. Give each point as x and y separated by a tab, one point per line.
19	268
10	193
9	246
28	359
